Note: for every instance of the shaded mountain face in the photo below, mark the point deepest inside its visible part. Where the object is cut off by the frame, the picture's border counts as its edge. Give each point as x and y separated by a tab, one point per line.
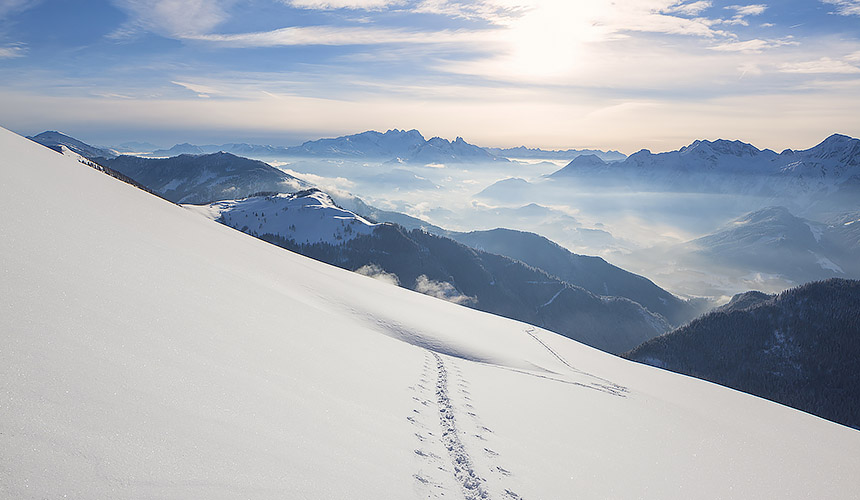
591	273
580	165
799	348
772	240
204	178
510	189
440	266
179	149
55	140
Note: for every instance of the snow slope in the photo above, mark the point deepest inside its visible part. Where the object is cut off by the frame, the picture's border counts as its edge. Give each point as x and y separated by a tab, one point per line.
147	352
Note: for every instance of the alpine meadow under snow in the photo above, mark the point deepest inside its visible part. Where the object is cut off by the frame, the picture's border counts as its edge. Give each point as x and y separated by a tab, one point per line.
148	352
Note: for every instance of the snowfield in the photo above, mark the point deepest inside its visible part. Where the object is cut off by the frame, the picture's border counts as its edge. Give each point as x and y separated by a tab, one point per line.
148	352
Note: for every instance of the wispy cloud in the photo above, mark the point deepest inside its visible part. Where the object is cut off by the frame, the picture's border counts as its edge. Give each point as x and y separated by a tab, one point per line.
10	7
12	51
203	91
343	4
748	10
741	13
174	18
752	46
332	35
845	7
823	65
690	9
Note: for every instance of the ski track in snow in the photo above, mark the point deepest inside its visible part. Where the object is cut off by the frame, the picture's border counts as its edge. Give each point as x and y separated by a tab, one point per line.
606	385
457	471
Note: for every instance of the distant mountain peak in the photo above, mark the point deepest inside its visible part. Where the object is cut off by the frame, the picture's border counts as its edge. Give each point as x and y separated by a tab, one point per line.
590	160
837	138
721	146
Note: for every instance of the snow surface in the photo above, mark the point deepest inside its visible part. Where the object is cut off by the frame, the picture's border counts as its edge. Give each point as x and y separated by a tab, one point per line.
309	217
147	352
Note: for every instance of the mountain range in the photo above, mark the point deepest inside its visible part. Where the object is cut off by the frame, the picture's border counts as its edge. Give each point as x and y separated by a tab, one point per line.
147	352
798	348
543	154
395	146
399	146
823	179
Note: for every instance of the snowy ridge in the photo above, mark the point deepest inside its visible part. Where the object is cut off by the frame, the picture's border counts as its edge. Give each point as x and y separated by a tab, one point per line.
306	217
147	352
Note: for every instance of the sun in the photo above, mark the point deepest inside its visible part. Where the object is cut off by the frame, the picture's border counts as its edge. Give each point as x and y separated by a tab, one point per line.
552	39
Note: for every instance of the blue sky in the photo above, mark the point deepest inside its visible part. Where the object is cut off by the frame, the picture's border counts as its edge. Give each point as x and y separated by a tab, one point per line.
619	74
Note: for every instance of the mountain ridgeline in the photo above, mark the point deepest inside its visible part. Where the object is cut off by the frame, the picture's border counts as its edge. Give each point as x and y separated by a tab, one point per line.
591	273
204	178
799	348
822	180
56	140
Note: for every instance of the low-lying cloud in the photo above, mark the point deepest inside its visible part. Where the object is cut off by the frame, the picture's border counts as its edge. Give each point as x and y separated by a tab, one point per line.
377	273
442	290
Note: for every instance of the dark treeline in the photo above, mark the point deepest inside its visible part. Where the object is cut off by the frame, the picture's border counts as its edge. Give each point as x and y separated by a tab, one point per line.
799	348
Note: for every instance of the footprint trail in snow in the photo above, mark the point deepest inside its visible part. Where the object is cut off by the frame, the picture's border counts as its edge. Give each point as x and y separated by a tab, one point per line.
451	438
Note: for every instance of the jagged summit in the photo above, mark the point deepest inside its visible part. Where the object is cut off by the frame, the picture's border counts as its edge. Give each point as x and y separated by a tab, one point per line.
720	146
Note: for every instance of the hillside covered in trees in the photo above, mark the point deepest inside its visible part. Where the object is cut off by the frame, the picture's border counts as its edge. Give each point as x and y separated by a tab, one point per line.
799	348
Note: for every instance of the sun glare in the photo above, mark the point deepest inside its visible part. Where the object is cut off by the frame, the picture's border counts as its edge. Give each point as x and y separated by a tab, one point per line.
551	40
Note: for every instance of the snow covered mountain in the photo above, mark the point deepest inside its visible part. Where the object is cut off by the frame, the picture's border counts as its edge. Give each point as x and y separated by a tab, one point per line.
205	178
56	140
816	175
400	146
371	144
309	217
147	352
798	348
